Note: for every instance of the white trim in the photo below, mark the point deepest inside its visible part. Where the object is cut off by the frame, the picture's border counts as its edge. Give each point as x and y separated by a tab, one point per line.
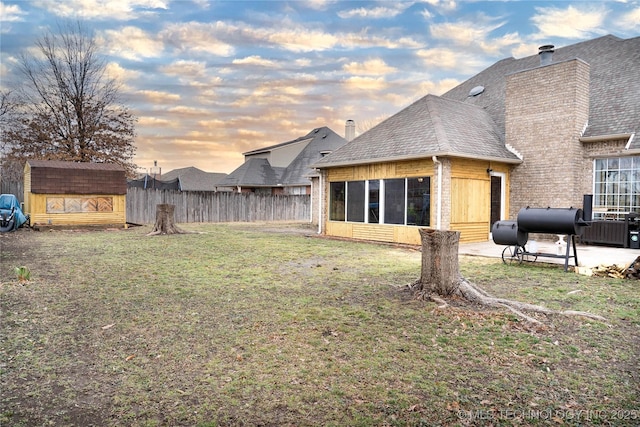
439	194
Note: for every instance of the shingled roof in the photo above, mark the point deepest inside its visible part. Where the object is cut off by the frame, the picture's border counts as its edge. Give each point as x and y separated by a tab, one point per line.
614	106
431	126
258	171
62	177
255	172
194	179
458	124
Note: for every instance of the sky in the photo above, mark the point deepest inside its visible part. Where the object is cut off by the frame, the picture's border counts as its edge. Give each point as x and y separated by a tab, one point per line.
210	80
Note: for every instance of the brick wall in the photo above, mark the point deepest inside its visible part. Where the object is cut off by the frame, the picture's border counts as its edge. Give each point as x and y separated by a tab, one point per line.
546	109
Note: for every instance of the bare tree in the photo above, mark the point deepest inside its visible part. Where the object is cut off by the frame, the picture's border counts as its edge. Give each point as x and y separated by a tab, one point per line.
69	107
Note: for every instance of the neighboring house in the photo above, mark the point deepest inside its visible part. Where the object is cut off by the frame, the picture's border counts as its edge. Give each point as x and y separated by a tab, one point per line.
183	179
539	131
59	193
284	169
194	179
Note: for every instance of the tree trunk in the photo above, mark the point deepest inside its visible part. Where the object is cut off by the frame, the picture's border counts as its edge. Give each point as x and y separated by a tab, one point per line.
440	278
440	272
165	222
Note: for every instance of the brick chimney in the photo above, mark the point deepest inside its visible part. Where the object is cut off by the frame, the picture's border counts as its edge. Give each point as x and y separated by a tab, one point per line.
546	109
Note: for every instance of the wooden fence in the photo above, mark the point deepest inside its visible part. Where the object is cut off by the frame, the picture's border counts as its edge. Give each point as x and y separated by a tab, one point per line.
12	187
201	206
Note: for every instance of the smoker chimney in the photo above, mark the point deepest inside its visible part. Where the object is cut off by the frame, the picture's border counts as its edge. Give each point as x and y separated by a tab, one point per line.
350	130
546	54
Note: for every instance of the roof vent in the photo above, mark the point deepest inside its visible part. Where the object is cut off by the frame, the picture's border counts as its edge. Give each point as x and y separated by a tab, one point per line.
476	91
546	54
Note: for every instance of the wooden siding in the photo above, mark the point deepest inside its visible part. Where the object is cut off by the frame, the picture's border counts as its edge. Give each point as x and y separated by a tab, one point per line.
39	215
382	233
467	193
406	169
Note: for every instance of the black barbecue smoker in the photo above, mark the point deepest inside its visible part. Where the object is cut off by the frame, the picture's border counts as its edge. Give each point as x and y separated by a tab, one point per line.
560	221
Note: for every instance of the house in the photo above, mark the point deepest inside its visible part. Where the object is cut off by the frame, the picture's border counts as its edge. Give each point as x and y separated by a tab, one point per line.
540	131
194	179
284	169
61	193
183	179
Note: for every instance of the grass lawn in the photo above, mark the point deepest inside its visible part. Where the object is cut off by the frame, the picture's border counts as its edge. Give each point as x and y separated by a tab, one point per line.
238	325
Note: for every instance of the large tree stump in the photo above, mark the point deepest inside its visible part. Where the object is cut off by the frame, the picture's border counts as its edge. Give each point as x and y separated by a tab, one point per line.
165	221
440	272
440	278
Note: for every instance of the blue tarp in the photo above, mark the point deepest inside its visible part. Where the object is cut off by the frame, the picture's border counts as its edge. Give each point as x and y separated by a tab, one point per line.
11	216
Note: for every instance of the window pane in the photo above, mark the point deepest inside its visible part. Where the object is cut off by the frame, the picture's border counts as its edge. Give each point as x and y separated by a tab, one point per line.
394	201
355	201
336	201
418	201
374	202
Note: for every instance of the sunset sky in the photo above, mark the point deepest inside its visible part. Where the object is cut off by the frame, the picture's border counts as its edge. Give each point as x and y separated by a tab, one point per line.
209	80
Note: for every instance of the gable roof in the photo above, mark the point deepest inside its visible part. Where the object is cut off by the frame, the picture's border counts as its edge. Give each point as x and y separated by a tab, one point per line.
258	172
194	179
431	126
62	177
255	172
614	64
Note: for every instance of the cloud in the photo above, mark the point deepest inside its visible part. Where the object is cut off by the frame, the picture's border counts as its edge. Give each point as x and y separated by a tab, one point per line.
462	33
10	13
631	21
120	10
570	23
448	59
185	69
132	43
198	37
442	5
159	97
255	60
120	74
154	122
380	12
372	67
476	35
357	83
319	4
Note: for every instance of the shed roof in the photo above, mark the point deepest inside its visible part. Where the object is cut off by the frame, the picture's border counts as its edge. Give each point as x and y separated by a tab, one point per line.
60	177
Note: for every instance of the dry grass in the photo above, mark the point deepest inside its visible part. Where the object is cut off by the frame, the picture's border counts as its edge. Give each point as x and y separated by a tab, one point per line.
248	325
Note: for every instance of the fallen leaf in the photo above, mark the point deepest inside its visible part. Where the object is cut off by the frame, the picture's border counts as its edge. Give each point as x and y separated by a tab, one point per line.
129	357
109	326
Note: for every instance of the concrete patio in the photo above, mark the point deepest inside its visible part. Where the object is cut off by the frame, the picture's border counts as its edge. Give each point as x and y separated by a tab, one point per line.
588	255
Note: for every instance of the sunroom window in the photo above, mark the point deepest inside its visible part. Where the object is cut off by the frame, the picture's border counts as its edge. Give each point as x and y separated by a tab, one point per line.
616	187
402	201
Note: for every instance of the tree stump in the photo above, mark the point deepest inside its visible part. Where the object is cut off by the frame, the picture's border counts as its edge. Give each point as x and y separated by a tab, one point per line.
165	221
440	278
440	273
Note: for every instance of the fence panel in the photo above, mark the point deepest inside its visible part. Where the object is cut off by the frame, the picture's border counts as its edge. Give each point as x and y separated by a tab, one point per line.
13	187
201	206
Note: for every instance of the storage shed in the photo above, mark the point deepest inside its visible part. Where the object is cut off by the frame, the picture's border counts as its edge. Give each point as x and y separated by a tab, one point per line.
60	193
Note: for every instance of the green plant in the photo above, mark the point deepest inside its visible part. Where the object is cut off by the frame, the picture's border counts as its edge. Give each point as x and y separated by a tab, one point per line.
23	273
